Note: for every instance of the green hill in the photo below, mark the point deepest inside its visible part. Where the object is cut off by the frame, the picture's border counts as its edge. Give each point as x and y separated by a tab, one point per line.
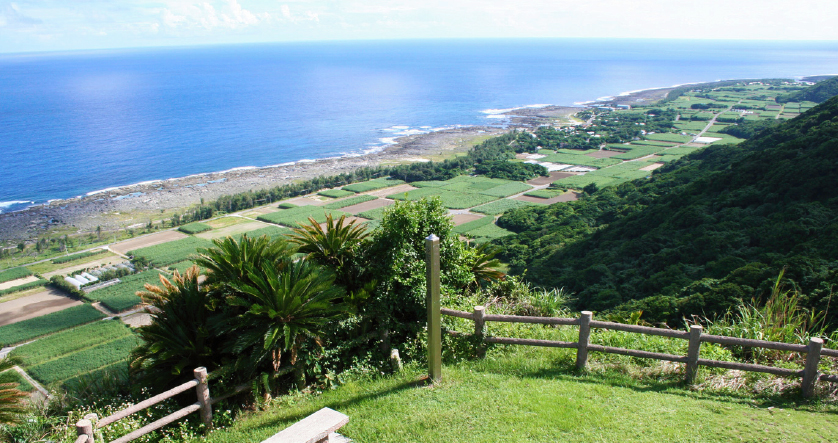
821	92
702	233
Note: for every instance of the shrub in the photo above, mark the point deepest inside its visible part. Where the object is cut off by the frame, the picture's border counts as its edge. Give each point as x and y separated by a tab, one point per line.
286	205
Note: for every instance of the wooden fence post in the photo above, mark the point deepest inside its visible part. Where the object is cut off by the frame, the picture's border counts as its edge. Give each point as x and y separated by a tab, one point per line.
480	329
85	427
203	395
692	352
584	339
810	373
432	300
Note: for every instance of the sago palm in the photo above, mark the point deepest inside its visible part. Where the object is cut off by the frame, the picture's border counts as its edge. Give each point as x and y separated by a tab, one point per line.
333	246
483	265
280	308
180	336
228	260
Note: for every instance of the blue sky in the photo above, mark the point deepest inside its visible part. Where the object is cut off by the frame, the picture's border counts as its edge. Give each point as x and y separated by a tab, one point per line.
54	25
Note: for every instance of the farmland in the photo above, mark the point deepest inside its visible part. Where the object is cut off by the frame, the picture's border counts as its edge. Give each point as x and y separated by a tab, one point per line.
69	341
372	185
122	296
292	217
79	256
501	206
12	376
171	252
544	193
14	274
195	228
84	361
336	193
35	327
350	201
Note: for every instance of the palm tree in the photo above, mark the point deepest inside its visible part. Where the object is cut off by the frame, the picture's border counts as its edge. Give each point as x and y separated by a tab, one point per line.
10	397
180	336
228	260
282	308
335	246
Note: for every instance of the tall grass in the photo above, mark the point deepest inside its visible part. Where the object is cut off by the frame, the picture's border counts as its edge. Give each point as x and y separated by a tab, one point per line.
781	318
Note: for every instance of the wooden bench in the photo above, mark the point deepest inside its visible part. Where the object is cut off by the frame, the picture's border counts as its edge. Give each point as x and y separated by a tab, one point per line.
313	429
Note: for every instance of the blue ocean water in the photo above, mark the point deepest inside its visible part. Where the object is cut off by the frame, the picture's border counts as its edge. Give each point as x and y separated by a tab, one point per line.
76	122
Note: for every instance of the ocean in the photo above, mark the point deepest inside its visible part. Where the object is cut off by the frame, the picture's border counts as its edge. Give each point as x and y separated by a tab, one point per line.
73	123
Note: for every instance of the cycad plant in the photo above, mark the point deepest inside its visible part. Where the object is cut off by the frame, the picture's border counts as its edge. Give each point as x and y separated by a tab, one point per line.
281	308
335	245
228	260
180	336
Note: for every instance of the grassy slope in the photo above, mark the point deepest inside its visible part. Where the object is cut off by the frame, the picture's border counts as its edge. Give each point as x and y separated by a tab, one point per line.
530	394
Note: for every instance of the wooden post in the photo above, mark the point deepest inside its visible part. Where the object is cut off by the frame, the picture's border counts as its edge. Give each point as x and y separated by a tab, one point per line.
810	373
480	329
395	360
584	339
85	427
203	395
432	300
692	353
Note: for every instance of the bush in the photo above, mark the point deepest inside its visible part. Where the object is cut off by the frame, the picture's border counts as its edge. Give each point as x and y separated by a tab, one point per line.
286	205
511	170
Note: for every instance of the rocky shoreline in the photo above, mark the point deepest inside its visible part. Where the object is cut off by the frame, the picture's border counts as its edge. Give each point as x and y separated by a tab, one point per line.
110	209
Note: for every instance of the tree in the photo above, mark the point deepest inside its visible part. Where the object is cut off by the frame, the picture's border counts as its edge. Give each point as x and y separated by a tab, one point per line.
21	246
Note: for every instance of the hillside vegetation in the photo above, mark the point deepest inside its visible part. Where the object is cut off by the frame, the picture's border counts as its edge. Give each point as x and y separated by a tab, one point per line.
821	92
702	233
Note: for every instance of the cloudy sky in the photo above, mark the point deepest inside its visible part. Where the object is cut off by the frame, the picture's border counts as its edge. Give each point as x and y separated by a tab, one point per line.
50	25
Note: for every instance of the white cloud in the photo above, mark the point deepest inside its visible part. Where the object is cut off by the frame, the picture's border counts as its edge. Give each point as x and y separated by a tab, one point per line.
191	15
11	16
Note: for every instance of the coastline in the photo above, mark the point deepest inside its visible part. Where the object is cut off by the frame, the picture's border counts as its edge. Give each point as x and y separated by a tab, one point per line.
135	205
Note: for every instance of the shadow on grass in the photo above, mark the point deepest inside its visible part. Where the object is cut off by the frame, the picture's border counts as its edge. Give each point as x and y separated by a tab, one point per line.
664	384
289	419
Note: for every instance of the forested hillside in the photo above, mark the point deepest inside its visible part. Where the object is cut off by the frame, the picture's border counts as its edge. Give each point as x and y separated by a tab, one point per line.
819	93
702	233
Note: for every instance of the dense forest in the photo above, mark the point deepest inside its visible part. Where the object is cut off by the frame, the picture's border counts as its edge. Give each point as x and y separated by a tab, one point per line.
702	233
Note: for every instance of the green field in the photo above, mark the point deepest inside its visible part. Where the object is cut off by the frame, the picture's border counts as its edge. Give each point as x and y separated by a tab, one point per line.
286	205
548	193
272	231
651	143
373	185
373	214
637	152
669	137
580	181
575	159
336	193
507	189
501	206
12	376
171	252
84	361
47	324
294	216
195	228
79	256
122	296
14	274
24	287
70	341
350	201
689	126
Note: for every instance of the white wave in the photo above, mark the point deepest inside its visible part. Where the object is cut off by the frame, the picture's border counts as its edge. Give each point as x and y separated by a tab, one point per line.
501	111
240	168
14	202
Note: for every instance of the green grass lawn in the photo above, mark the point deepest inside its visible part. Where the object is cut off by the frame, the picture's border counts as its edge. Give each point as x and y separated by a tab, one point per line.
534	394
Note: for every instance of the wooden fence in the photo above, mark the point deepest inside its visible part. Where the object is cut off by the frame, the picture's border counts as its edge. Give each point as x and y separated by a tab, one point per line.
695	336
86	427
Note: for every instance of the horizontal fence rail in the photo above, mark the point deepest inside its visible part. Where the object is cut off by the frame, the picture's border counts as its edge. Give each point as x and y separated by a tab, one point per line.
809	375
86	427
